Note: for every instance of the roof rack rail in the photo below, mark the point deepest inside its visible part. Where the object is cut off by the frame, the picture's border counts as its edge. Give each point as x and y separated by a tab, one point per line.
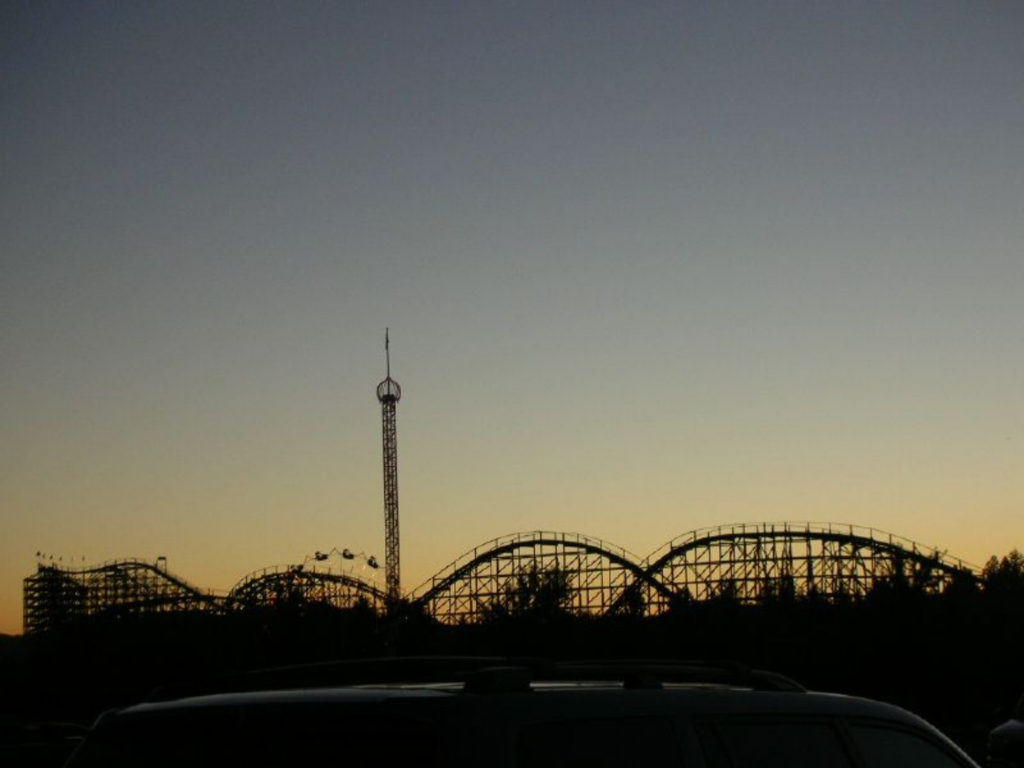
632	673
360	671
641	671
483	674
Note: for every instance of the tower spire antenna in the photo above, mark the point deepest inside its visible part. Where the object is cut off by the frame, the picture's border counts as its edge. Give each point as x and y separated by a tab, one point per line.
389	393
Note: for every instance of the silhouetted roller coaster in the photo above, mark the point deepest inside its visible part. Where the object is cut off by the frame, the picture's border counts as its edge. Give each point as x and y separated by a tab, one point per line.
300	583
747	563
55	595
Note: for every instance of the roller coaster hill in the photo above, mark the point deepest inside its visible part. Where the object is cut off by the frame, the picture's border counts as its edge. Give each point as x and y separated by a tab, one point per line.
745	563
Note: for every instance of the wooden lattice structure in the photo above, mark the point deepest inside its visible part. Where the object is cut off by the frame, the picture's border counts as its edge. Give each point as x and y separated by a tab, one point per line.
302	585
54	596
753	562
745	563
597	574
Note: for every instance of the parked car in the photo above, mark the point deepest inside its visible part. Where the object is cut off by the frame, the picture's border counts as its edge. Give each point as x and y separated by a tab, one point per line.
496	712
1006	741
37	743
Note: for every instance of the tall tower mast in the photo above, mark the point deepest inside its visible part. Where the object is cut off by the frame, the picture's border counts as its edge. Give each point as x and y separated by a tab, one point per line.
389	393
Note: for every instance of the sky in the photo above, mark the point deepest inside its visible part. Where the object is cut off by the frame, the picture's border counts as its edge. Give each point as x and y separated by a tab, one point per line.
647	267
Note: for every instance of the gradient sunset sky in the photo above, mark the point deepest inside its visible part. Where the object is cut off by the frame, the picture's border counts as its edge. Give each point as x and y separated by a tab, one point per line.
648	267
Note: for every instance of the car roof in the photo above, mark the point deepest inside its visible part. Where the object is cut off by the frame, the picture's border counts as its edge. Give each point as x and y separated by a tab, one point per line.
483	674
468	704
693	687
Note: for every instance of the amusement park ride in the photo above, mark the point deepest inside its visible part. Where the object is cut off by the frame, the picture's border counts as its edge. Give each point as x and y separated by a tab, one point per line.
746	562
389	393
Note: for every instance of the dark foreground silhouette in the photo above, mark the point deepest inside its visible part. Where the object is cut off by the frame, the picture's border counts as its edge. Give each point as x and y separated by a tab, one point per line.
954	658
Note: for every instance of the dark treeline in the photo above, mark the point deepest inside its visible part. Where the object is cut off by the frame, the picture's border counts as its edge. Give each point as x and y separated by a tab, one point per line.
954	657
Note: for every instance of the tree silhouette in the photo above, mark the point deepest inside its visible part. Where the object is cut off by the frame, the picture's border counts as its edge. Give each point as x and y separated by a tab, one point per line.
535	592
1006	576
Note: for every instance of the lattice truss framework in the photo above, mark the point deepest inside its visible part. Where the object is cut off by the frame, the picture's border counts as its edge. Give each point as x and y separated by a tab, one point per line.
299	585
746	562
392	567
752	562
55	595
469	588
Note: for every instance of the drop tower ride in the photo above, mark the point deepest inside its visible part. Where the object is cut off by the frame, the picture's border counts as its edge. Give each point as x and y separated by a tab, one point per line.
389	393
